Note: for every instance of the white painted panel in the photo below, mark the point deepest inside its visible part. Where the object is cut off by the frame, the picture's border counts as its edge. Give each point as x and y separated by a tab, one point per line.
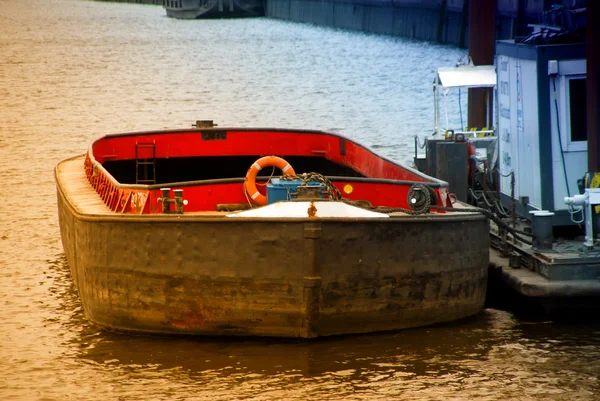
576	166
528	151
518	128
504	67
467	76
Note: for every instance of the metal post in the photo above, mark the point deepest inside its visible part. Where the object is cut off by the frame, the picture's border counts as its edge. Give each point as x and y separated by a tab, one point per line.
589	225
464	14
593	84
166	194
541	226
179	202
436	108
441	21
482	16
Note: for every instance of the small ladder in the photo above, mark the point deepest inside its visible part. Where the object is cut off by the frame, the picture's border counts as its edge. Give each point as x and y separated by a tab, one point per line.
143	165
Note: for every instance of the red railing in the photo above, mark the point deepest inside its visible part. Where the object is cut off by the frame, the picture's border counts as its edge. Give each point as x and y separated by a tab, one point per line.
117	197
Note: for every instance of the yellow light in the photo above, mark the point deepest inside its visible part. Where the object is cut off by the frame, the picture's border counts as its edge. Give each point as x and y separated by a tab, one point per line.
348	189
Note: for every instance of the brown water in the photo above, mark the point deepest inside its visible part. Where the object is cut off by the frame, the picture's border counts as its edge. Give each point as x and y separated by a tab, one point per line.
71	71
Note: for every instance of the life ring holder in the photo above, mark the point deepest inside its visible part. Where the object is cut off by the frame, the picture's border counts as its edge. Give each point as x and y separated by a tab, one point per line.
250	181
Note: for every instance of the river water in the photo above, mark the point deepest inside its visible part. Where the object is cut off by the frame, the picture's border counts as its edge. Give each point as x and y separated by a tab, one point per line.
73	70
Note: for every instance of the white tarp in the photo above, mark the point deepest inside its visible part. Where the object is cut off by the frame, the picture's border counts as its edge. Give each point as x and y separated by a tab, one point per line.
301	210
481	76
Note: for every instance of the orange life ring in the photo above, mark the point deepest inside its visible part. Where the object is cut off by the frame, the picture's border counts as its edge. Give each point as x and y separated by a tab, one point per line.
250	182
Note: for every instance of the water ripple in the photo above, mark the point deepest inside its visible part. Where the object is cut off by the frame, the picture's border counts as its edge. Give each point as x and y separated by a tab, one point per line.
73	70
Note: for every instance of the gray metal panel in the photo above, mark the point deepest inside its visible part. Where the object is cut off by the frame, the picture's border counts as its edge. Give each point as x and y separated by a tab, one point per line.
545	133
511	49
431	152
451	166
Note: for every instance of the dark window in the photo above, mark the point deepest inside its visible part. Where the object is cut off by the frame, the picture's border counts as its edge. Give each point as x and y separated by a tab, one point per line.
577	99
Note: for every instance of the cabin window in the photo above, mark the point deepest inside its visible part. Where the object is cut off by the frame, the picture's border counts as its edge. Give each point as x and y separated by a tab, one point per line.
577	109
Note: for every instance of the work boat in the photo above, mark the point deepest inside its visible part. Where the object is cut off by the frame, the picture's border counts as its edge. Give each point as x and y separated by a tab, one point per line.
264	232
194	9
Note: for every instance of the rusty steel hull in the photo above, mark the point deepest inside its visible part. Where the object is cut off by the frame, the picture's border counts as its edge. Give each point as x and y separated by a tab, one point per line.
210	275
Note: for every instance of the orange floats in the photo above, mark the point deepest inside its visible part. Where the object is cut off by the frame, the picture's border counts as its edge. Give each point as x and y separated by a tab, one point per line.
250	181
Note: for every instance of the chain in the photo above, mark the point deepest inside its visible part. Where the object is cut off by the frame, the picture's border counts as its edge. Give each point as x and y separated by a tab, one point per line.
306	178
421	202
419	195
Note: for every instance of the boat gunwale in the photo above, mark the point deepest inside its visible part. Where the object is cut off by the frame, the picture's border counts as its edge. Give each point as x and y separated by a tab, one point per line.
237	180
213	216
431	181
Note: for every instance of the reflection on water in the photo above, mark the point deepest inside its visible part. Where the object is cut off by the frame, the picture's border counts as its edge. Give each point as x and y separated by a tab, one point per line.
490	356
72	70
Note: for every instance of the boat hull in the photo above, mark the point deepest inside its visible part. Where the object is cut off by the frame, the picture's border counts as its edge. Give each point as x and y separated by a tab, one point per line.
206	274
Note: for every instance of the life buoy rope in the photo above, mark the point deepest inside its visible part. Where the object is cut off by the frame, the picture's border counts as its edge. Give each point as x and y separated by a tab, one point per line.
250	181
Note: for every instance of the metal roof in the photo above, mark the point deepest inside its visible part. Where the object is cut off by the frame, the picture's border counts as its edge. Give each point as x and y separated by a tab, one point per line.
480	76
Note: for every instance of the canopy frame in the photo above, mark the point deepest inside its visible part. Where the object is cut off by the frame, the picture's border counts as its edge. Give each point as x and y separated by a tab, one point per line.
463	76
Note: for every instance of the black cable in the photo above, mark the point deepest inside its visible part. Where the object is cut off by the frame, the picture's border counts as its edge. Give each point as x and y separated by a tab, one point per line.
492	217
562	155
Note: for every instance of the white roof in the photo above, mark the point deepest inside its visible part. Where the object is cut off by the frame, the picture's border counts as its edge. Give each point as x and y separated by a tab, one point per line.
301	210
467	76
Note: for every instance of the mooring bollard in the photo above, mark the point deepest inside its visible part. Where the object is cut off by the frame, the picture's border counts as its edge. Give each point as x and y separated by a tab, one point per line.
166	200
541	228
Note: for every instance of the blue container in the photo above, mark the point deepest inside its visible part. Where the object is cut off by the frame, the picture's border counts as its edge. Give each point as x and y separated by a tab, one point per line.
282	190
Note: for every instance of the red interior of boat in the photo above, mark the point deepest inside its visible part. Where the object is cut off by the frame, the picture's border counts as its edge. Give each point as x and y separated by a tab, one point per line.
128	170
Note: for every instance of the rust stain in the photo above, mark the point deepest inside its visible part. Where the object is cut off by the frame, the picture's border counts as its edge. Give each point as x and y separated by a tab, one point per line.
187	317
188	322
312	210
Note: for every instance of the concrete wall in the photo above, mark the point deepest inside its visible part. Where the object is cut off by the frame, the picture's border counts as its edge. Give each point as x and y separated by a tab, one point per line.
439	21
423	20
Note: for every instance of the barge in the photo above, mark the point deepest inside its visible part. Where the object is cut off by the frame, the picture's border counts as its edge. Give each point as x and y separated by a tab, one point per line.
192	232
